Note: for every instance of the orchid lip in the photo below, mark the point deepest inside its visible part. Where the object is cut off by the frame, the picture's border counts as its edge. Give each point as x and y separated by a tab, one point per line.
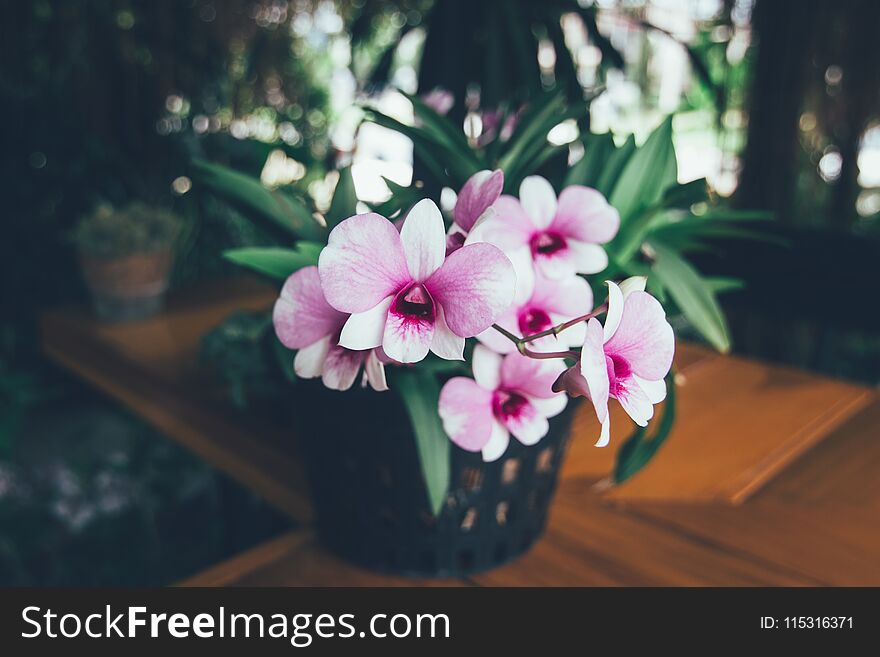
547	243
618	370
534	320
507	404
414	302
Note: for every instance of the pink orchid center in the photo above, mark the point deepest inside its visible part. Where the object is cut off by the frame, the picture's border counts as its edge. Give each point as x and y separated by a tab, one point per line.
507	404
454	242
618	371
547	243
415	302
533	320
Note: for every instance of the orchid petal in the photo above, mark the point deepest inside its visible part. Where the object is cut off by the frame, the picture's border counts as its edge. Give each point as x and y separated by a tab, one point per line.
445	343
655	390
424	240
407	339
569	297
584	214
466	412
594	369
615	310
341	367
499	439
309	361
634	401
531	376
475	285
633	284
495	340
509	227
301	315
524	268
572	382
587	258
604	433
362	263
366	330
575	258
644	339
479	192
486	367
538	200
374	370
550	406
527	425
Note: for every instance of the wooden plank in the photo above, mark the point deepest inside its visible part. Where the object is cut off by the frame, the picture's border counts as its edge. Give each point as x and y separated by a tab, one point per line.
152	368
296	559
590	542
818	518
739	423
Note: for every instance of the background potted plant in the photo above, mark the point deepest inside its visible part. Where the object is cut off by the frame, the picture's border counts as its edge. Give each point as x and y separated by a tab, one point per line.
126	256
453	470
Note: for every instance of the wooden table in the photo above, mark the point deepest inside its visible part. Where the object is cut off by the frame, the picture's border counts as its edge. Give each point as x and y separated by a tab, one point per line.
769	477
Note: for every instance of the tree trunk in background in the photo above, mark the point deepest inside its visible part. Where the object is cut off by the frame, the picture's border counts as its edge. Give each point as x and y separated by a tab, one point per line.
769	172
797	43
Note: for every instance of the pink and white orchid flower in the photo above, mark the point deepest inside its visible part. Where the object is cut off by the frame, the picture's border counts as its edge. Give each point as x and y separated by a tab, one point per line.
440	100
305	321
627	359
561	236
551	303
473	204
508	395
404	294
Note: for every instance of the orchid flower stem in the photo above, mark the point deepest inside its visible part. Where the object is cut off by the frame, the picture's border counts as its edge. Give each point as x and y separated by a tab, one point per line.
542	355
559	328
554	330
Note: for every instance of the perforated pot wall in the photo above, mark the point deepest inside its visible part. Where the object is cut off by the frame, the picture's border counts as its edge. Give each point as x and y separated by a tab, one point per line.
370	498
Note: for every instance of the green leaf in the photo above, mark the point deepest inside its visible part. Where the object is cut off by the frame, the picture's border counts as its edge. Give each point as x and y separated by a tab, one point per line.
722	284
443	128
420	392
615	164
638	450
647	174
692	295
276	262
597	150
685	195
532	129
732	214
285	358
282	214
438	153
401	200
344	203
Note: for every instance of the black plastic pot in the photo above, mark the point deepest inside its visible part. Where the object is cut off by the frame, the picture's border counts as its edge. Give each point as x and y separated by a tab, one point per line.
371	502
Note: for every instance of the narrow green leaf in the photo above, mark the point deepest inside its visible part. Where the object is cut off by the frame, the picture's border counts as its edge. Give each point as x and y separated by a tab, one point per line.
638	450
282	214
437	153
276	262
647	174
614	165
420	392
443	128
685	195
722	284
533	127
344	202
587	170
732	214
692	295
